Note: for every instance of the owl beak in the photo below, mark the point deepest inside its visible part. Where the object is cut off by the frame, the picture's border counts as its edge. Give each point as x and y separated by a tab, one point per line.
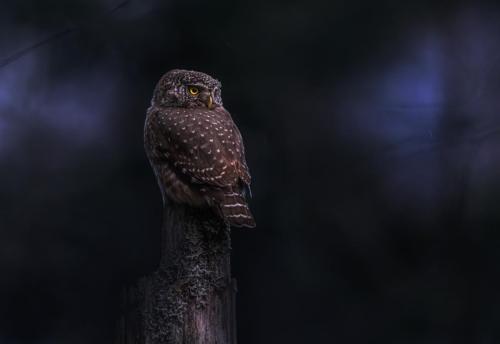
208	99
210	102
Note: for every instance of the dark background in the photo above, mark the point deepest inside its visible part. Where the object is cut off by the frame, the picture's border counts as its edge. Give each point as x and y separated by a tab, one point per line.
372	134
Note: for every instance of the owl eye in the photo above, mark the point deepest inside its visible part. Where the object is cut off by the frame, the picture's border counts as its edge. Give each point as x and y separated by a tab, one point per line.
193	90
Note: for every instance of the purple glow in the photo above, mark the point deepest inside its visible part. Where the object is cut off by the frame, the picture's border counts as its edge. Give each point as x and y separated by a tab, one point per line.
439	85
403	101
76	108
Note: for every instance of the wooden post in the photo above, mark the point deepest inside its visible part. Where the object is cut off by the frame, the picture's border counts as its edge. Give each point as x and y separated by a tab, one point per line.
190	298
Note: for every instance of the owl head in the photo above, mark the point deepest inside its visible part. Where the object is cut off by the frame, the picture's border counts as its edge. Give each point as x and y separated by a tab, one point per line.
187	89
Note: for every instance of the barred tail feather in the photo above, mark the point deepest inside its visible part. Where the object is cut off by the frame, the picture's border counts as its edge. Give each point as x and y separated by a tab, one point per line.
234	209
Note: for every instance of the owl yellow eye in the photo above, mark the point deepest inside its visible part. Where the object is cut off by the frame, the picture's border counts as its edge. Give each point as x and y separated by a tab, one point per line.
193	90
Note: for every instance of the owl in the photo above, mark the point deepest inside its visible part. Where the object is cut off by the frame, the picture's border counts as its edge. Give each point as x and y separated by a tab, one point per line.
195	148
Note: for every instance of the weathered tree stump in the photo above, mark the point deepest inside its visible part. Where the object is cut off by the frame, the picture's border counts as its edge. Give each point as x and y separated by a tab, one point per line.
190	298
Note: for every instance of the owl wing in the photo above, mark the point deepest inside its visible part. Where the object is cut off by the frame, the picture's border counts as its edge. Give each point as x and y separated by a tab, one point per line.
202	144
243	170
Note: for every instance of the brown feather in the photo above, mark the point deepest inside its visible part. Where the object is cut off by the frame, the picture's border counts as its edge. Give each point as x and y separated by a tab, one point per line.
199	159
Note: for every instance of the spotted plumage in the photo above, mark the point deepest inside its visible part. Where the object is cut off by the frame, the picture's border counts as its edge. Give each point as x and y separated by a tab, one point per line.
195	148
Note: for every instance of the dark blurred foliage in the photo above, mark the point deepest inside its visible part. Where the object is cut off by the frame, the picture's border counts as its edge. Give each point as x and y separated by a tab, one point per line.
372	136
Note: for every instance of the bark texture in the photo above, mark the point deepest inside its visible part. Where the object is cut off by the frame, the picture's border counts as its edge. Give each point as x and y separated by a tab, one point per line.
190	298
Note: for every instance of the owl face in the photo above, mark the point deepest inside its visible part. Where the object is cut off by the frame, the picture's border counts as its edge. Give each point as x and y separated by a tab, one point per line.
187	89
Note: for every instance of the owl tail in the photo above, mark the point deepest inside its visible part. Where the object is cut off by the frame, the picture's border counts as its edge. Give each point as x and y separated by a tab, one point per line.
234	209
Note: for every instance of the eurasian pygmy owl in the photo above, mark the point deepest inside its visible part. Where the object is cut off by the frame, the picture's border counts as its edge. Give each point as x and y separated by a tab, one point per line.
195	148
